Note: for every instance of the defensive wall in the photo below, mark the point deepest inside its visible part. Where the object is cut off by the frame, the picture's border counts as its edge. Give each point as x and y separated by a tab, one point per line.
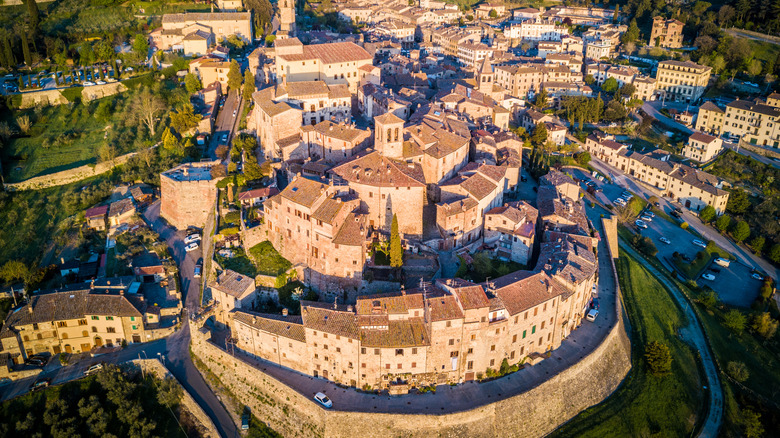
532	413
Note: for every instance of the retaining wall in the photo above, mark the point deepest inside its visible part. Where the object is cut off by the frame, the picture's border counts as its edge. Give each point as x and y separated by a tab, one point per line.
530	414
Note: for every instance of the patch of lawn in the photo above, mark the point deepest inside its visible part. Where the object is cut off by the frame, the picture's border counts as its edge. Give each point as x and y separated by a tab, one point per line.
693	269
239	263
646	405
268	260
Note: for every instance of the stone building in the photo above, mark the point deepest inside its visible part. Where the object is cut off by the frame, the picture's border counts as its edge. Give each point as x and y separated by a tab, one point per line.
322	228
74	321
682	81
277	125
195	32
210	70
317	100
512	229
702	147
334	142
188	193
666	33
232	290
333	63
96	217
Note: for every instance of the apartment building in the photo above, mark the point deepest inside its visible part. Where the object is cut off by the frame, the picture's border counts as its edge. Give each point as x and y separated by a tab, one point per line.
317	100
333	63
321	227
644	86
666	33
210	70
334	142
691	187
599	49
75	320
232	290
682	81
471	55
702	147
710	118
521	79
398	31
450	38
755	122
512	229
537	30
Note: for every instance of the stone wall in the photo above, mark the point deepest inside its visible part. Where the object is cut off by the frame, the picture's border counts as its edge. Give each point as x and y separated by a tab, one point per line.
100	91
530	414
42	97
68	176
189	404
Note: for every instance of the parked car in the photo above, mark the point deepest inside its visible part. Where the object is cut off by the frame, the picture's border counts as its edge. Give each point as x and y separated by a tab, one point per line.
720	261
523	179
323	400
37	360
649	213
191	247
685	257
40	384
665	240
191	238
93	369
708	276
245	422
101	82
235	112
757	276
594	303
224	138
592	315
646	218
715	270
595	289
640	223
198	269
698	242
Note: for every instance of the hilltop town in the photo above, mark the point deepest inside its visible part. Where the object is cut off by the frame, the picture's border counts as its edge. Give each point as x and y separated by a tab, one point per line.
378	208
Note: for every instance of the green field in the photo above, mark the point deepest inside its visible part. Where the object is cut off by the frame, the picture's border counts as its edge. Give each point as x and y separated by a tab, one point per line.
268	260
646	405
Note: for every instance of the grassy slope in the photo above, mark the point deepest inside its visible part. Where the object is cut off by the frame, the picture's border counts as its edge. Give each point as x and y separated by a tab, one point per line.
646	405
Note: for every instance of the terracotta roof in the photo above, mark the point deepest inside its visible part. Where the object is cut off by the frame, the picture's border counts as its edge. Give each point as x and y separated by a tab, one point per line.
556	178
287	326
702	137
330	321
331	53
337	130
472	297
96	211
206	16
303	191
388	118
352	232
121	207
304	89
234	284
258	193
328	210
522	290
443	308
390	303
568	257
399	334
373	169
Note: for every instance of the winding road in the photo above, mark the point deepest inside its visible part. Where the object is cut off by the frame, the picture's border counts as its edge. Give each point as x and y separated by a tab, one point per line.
693	334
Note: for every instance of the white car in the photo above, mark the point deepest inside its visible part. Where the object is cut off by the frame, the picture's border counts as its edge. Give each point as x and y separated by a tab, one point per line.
191	247
708	276
619	201
192	238
640	223
646	218
101	82
665	240
649	213
93	369
698	242
627	195
323	400
722	262
234	113
88	83
595	289
592	315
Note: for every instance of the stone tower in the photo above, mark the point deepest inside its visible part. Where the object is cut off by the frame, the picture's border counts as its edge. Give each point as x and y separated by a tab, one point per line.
485	77
287	16
389	135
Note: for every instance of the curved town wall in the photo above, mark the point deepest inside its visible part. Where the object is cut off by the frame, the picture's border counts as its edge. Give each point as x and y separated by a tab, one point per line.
531	414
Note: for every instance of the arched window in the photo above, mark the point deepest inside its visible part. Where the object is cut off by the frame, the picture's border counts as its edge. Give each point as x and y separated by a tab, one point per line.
388	135
396	134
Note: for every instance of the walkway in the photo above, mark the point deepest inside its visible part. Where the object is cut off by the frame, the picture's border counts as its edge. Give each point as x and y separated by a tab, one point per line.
694	334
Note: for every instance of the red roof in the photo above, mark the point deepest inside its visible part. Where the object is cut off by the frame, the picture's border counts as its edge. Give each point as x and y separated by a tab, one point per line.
96	211
258	193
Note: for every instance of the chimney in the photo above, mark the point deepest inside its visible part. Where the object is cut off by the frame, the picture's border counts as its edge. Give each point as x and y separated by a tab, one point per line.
285	312
30	308
549	287
335	303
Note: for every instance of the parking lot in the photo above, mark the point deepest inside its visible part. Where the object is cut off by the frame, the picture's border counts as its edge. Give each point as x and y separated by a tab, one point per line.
734	285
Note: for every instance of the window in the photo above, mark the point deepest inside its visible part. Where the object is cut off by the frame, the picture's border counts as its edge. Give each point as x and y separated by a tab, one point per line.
35	326
399	366
492	362
363	365
542	325
94	329
40	336
376	351
64	336
399	351
111	330
84	321
109	318
449	323
470	365
135	327
498	331
473	337
524	331
387	366
492	348
85	333
62	323
363	350
514	339
452	342
470	351
414	351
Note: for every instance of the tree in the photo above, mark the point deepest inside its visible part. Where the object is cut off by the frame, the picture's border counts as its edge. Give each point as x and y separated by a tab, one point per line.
539	137
723	222
615	111
192	83
764	325
751	424
725	15
632	34
234	76
627	90
15	270
707	214
252	169
541	98
754	67
22	32
616	16
169	393
147	106
140	47
774	253
396	250
170	143
582	158
35	19
735	320
610	85
590	80
104	51
262	12
741	231
758	244
184	119
493	13
659	358
249	85
107	152
738	371
709	299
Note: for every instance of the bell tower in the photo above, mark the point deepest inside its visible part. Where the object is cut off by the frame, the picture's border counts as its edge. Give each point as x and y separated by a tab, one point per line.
287	16
389	135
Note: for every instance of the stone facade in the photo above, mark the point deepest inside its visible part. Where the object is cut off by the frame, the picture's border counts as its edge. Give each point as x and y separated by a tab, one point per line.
187	194
666	33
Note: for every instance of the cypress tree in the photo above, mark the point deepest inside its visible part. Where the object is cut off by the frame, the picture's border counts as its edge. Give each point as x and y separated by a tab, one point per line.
396	251
25	48
32	10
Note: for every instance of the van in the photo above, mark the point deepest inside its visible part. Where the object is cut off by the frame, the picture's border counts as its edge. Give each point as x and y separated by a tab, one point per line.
720	261
592	315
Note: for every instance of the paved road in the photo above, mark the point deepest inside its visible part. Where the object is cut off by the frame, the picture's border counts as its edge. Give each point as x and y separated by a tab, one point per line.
226	122
742	254
694	334
751	154
179	360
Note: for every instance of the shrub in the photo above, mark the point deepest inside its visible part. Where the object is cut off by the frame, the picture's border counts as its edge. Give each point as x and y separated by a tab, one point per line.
764	325
734	320
659	358
738	371
684	225
709	299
